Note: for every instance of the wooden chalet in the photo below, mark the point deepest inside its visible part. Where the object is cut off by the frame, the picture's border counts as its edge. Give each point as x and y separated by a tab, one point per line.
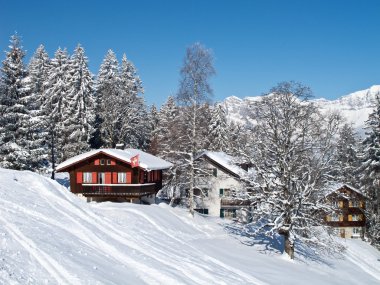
349	218
115	175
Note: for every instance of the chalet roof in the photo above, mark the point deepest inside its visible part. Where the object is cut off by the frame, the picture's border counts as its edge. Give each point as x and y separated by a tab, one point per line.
147	161
223	161
336	186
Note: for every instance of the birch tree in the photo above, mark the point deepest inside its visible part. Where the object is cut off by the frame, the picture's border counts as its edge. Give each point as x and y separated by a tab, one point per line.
194	91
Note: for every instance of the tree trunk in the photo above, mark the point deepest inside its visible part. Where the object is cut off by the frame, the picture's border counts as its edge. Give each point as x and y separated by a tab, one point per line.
288	245
52	149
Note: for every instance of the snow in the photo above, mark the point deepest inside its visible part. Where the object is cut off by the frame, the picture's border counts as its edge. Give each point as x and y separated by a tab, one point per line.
146	160
49	236
224	160
355	107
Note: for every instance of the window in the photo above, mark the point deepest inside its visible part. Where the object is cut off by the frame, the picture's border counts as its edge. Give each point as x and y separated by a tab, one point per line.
87	177
202	211
101	178
108	161
221	192
121	177
215	172
228	213
356	217
356	231
102	161
334	217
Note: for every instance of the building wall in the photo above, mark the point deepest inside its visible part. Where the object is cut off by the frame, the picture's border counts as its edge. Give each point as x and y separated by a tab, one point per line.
217	181
349	216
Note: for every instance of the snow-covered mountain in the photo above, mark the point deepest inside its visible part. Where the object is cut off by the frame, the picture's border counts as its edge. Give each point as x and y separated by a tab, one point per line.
355	107
50	236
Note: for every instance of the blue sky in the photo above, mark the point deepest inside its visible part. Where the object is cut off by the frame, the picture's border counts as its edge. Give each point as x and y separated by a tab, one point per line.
331	46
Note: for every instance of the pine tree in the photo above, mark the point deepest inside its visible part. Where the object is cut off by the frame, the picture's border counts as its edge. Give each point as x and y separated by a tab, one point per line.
81	105
37	80
370	173
134	124
14	115
347	160
153	125
56	106
218	131
108	101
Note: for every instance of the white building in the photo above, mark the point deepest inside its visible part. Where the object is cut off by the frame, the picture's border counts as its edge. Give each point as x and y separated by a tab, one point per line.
221	194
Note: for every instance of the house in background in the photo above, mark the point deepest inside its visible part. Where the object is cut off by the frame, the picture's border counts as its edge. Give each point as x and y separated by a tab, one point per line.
221	194
115	175
349	219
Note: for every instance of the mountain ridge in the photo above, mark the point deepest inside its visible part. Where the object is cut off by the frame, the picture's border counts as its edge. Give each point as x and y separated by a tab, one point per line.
355	107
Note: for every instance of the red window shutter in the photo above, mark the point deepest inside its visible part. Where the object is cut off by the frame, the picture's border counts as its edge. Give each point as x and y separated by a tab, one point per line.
79	177
159	175
113	162
114	177
94	178
108	177
129	177
97	161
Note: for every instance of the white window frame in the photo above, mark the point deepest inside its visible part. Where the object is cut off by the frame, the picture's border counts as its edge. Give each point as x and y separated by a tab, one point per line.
87	177
121	177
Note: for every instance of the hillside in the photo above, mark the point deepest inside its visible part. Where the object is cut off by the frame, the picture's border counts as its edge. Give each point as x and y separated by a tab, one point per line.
49	236
355	107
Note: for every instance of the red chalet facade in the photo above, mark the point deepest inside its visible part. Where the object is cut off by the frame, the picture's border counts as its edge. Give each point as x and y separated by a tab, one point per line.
115	175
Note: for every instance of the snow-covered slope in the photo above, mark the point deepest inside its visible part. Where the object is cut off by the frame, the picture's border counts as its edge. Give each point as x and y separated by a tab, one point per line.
49	236
355	107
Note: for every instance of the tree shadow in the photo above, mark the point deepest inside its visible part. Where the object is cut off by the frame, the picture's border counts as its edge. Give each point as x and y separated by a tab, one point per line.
274	245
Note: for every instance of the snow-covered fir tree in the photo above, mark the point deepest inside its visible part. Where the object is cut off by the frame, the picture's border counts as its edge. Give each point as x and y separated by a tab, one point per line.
218	131
347	160
37	82
108	93
370	172
14	114
134	124
153	124
56	106
81	105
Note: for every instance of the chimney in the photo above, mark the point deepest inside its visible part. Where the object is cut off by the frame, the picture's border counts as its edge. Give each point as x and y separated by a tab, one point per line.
120	146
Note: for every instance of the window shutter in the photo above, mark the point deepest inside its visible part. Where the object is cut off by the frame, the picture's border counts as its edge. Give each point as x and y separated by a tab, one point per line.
221	192
114	177
113	162
340	218
129	177
108	178
340	204
222	213
350	203
94	178
79	177
328	218
97	161
350	218
361	217
361	204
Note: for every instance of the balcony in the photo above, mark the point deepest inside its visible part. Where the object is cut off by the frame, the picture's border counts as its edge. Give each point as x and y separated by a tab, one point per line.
127	190
235	202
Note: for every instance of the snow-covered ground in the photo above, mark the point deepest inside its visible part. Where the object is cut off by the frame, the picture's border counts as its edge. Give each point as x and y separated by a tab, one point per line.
49	236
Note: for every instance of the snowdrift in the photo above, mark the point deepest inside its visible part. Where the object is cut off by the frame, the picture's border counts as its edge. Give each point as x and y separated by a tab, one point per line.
49	236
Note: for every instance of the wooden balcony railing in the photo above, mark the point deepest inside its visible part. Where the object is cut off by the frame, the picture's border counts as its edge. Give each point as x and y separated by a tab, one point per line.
235	202
118	189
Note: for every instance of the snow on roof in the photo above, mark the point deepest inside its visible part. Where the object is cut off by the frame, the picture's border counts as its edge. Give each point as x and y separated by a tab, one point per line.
224	160
146	160
336	186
